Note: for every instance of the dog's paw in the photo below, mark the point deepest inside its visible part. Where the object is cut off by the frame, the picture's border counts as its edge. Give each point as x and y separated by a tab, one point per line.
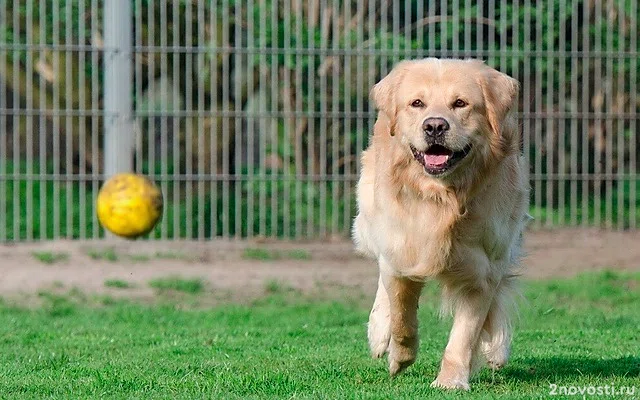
396	366
496	365
379	333
378	345
496	356
449	383
402	355
452	376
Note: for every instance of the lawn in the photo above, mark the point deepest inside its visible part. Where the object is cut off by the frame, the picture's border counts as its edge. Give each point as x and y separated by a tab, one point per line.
572	333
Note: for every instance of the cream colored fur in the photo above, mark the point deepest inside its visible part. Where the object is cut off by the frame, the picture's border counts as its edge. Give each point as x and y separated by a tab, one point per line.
462	228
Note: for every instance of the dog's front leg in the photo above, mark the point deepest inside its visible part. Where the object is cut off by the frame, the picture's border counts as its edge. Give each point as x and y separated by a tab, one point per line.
379	327
471	308
403	295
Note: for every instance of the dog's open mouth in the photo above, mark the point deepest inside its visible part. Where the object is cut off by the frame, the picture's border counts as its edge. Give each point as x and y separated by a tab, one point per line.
438	159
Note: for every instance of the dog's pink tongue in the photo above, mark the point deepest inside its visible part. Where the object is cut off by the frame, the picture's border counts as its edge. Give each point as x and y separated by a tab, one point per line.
435	159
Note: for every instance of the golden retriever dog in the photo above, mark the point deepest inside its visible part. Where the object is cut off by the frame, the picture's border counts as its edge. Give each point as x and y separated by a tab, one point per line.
443	194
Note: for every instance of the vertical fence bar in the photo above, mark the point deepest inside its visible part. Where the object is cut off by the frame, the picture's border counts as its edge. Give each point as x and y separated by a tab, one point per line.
216	125
584	108
537	121
346	125
57	156
457	27
516	61
139	151
501	30
82	122
118	87
395	31
420	15
3	123
16	143
561	167
371	64
492	57
312	18
28	137
275	120
154	120
609	122
201	64
96	122
250	119
551	131
237	121
633	109
526	94
325	20
598	109
480	42
335	121
188	123
164	107
301	121
262	84
576	62
468	46
620	122
69	122
226	106
406	32
287	121
431	17
176	118
347	117
359	95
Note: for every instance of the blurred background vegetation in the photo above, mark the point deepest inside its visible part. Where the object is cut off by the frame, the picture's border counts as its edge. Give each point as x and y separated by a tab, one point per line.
266	101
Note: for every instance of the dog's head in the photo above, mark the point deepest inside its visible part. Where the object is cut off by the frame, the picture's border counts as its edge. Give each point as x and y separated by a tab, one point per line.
449	115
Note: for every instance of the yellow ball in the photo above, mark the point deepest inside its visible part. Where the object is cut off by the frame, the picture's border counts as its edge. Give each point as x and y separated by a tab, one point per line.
129	205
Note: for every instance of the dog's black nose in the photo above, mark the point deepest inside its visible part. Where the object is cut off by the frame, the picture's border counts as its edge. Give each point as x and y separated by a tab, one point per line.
435	127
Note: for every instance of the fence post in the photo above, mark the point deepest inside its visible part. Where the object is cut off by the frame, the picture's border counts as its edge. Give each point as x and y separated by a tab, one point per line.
118	87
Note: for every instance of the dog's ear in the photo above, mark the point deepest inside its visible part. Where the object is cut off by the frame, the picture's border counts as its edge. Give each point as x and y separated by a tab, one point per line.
501	95
383	94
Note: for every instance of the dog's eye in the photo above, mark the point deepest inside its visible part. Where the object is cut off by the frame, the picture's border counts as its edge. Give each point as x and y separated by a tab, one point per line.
417	103
459	103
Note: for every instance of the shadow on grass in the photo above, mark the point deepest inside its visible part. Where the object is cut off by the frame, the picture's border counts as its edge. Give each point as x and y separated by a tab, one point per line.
546	368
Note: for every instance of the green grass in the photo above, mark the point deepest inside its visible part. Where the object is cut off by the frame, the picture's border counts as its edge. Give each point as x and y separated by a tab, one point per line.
107	254
50	257
177	284
160	255
118	284
172	255
261	254
577	332
273	286
139	257
298	254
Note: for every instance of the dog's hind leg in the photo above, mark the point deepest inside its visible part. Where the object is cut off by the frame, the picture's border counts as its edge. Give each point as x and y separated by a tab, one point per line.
495	338
470	305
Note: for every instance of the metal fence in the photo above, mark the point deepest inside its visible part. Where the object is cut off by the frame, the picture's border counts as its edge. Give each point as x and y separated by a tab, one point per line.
251	115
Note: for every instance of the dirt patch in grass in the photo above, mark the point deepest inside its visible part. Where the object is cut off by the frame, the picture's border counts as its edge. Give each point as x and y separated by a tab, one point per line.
241	270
